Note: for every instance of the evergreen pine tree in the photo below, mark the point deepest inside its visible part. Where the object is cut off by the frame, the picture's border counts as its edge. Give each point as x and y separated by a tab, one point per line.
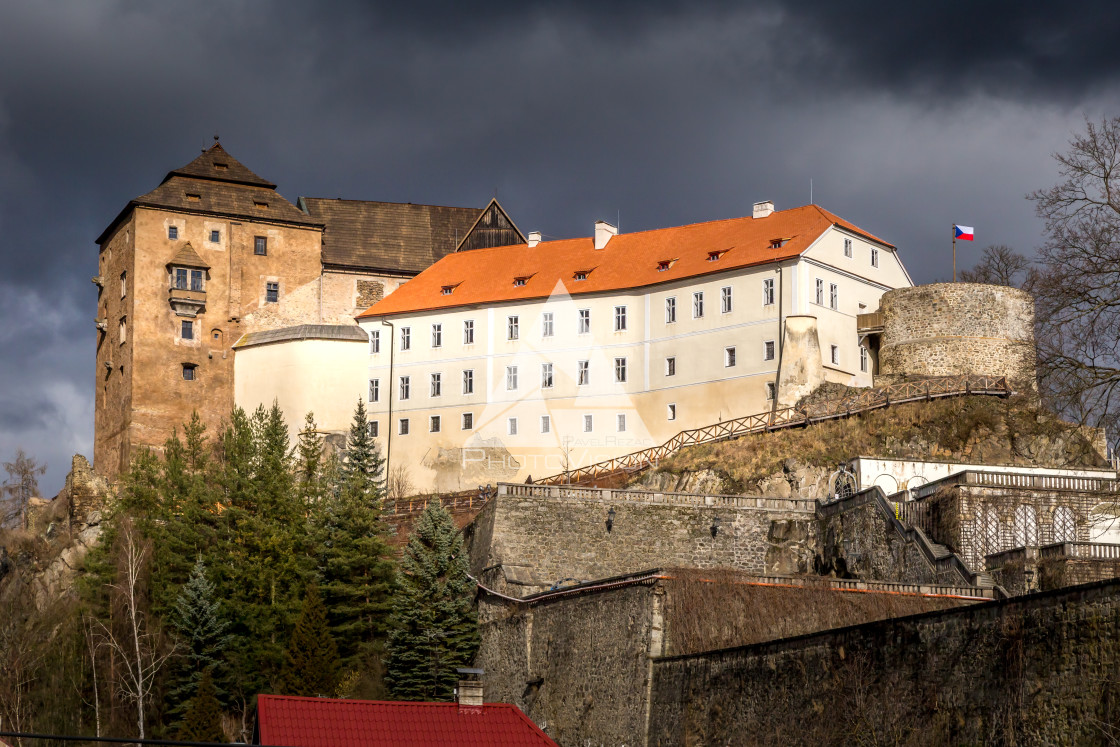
435	623
202	631
203	722
363	465
311	661
309	461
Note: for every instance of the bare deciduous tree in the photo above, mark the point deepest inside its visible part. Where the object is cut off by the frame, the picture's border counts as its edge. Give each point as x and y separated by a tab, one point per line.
1078	290
21	485
139	650
999	265
399	483
22	637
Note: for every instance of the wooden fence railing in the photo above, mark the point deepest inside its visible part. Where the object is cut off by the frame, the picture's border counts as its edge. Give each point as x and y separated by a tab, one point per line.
788	417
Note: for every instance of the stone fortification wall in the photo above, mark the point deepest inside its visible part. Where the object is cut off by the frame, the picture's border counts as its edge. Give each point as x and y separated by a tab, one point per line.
557	538
1031	670
947	329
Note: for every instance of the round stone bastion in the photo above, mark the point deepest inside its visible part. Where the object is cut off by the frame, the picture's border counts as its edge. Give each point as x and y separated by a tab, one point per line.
949	329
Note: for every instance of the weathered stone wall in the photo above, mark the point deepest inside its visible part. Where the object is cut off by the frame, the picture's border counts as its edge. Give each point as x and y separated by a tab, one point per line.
1030	671
568	538
1055	573
947	329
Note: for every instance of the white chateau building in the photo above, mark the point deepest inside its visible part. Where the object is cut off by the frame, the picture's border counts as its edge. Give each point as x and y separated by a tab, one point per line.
526	360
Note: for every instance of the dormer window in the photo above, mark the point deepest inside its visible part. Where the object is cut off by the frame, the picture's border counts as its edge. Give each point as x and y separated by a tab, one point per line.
520	281
776	243
221	166
581	274
665	264
714	256
261	205
447	290
193	197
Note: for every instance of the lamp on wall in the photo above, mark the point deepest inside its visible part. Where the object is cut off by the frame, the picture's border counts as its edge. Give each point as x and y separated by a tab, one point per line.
715	526
610	519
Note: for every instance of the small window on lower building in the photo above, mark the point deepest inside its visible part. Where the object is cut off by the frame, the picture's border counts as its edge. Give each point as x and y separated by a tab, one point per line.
260	245
729	357
672	412
433	424
622	422
468	421
189	371
215	237
271	292
402	427
512	426
373	429
835	355
588	424
187	329
770	391
768	350
546	424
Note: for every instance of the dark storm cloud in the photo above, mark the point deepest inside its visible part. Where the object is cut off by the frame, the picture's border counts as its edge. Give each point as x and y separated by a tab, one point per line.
906	118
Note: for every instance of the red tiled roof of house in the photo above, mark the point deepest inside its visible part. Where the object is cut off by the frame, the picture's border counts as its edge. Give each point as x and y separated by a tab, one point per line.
629	260
288	721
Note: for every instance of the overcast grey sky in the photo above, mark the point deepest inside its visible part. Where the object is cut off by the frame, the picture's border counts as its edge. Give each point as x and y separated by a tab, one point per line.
905	120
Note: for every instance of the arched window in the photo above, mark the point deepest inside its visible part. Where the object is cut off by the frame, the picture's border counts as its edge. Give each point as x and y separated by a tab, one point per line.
1026	526
1065	525
989	531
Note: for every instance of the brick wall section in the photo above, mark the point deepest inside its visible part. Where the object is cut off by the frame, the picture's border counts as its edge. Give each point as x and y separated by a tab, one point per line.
1030	671
567	538
947	329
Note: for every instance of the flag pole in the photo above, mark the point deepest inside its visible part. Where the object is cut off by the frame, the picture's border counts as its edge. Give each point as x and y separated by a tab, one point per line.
954	253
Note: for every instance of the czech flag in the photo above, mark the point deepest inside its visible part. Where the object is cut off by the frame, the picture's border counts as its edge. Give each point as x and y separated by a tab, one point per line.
964	233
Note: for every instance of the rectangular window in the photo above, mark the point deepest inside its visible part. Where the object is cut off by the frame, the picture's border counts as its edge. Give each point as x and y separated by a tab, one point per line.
874	257
124	284
546	324
406	338
260	245
698	304
433	424
769	391
584	321
620	370
402	427
768	350
196	281
671	366
468	332
833	296
468	421
468	381
622	422
513	328
588	424
186	329
768	292
835	355
820	292
215	237
172	232
188	371
672	412
729	357
437	385
511	378
847	247
437	335
375	390
546	376
582	373
863	358
670	310
725	299
271	291
371	426
511	426
546	424
182	278
405	387
619	318
374	341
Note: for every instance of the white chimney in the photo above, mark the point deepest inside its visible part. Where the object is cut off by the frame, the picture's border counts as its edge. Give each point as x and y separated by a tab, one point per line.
603	233
764	208
534	238
470	688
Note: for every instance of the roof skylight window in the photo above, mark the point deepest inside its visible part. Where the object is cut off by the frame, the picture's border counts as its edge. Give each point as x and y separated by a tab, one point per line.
665	264
581	274
714	256
193	197
519	282
447	290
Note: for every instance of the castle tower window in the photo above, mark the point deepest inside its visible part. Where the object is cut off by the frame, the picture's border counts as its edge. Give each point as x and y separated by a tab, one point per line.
260	245
172	232
189	371
215	237
272	292
122	330
124	284
186	329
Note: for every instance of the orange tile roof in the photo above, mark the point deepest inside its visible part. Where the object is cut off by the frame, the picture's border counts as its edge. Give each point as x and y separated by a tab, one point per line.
628	261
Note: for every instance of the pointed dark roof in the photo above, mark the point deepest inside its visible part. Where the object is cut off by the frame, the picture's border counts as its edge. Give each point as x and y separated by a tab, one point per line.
218	165
391	236
188	257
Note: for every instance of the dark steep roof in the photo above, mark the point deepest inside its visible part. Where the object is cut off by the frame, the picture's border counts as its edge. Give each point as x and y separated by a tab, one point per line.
216	164
388	235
